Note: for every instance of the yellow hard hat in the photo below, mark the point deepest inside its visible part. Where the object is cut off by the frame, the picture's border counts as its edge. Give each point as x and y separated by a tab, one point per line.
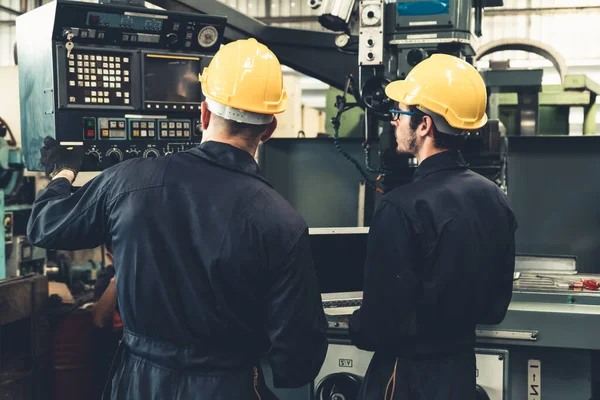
447	86
245	75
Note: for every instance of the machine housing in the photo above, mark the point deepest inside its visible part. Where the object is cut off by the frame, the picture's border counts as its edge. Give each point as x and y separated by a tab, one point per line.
122	81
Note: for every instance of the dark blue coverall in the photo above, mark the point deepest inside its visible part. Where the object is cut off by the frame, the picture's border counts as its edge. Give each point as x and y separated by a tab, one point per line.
216	272
440	261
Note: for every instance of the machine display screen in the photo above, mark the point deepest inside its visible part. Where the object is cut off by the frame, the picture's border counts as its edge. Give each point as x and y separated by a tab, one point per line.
339	261
127	20
172	79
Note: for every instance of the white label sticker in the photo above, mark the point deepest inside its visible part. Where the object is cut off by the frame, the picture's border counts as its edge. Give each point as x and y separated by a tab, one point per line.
422	23
534	380
346	363
423	36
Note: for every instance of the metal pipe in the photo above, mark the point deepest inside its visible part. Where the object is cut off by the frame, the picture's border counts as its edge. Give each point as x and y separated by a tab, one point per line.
10	10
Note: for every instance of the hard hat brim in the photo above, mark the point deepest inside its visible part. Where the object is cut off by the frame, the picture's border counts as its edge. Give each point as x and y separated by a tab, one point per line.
397	92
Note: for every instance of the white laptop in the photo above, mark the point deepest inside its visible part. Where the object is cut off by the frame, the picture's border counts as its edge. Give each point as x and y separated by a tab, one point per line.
339	255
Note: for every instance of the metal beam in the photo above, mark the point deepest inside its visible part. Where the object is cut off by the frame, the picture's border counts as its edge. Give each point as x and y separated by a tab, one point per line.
581	82
309	52
10	10
539	10
488	12
8	22
291	19
551	99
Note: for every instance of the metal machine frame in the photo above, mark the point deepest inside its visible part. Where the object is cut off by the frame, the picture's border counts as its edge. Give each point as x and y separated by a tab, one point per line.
309	52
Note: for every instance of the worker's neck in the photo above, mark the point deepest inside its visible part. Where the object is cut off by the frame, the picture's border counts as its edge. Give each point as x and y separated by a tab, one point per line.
235	141
426	151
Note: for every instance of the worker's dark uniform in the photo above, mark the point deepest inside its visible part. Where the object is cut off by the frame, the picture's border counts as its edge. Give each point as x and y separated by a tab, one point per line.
440	261
218	271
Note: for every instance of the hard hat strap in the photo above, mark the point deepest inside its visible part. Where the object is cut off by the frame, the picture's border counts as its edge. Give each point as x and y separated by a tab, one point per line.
237	115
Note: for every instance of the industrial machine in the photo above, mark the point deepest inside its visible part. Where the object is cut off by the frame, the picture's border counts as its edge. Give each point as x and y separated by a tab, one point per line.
25	346
24	258
393	37
14	209
120	80
547	342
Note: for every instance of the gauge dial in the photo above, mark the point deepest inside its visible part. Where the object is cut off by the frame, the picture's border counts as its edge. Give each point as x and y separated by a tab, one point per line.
208	36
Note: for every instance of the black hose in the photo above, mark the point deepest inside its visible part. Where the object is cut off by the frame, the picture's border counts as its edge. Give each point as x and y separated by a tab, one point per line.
336	141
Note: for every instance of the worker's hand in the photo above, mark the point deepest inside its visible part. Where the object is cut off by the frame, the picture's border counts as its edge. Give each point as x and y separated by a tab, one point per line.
56	158
111	259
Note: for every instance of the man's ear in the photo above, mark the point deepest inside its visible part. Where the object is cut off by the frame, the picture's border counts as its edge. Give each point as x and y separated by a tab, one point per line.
425	127
269	131
204	116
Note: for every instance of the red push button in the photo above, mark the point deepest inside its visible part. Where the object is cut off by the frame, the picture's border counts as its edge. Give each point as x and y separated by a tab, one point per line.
91	133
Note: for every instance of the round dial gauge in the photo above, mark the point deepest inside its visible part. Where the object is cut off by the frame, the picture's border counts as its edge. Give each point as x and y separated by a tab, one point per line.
371	15
208	36
342	40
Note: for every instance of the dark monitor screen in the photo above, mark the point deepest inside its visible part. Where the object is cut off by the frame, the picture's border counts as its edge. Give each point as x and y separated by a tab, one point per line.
339	255
172	79
553	186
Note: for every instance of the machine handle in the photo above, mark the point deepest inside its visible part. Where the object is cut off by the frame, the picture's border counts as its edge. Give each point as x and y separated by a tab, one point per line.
510	335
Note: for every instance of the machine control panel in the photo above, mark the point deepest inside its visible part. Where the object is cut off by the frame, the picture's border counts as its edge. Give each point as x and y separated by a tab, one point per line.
125	79
112	140
132	27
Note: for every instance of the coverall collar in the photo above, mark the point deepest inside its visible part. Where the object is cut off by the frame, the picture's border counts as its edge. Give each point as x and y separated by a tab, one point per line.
230	157
438	162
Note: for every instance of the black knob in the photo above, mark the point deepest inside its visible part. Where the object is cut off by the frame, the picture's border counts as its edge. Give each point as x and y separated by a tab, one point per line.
133	154
151	153
91	161
338	386
172	38
113	158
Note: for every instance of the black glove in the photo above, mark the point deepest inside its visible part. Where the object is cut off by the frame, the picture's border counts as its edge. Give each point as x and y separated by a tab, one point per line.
56	158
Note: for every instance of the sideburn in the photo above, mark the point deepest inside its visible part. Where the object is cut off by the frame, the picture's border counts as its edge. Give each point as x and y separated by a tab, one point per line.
412	142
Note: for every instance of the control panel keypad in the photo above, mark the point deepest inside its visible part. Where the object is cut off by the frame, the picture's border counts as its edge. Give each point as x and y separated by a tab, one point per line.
98	78
142	129
175	129
112	128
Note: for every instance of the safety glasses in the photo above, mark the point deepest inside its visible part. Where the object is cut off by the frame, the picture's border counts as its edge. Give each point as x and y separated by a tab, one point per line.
397	113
